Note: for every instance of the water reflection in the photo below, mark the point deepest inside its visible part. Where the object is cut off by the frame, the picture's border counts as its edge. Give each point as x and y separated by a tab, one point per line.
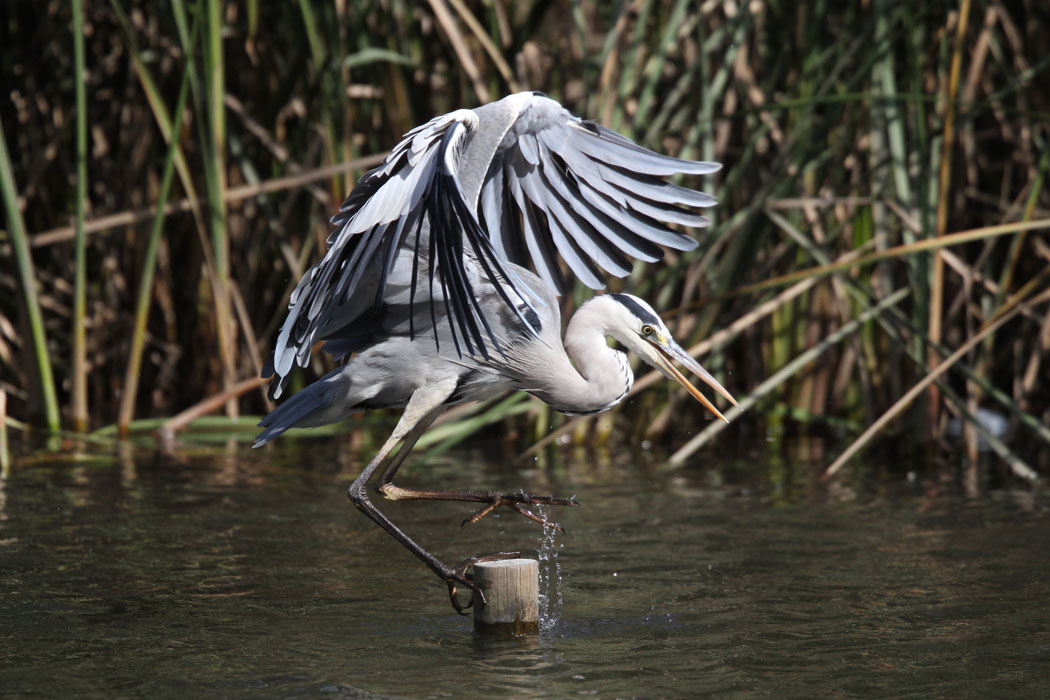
226	571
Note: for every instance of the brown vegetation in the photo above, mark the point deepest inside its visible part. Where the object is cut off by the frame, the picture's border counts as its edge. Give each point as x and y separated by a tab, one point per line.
864	134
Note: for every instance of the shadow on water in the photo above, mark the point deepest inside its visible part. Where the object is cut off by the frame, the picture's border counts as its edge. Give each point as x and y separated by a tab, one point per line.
232	572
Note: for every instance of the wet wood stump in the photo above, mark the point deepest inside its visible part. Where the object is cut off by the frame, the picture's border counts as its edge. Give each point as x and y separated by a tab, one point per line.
512	597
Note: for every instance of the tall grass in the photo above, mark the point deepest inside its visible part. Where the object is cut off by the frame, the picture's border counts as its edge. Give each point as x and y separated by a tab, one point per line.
79	407
880	238
149	262
39	379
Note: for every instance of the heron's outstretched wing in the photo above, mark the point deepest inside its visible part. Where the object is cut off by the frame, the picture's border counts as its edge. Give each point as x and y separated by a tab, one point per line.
411	203
559	184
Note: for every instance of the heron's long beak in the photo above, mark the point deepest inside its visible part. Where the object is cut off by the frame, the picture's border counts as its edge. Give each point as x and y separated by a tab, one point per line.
668	351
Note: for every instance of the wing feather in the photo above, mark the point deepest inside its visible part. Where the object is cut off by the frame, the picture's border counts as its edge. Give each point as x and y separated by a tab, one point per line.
537	240
577	260
597	246
603	223
588	192
412	196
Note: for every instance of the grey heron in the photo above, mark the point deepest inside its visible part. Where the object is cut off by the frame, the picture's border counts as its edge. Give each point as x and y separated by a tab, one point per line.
426	297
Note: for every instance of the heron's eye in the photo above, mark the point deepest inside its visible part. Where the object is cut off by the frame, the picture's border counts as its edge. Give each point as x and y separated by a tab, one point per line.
647	330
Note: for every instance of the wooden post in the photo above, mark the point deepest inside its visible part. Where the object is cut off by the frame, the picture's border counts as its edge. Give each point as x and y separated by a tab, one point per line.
512	597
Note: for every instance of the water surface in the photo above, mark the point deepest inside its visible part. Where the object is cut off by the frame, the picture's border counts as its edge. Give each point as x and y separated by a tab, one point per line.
240	573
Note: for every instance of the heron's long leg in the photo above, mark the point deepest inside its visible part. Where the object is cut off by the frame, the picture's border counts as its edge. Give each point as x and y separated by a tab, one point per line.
410	441
424	406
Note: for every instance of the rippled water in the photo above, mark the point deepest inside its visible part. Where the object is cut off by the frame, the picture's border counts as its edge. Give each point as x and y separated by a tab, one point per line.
244	573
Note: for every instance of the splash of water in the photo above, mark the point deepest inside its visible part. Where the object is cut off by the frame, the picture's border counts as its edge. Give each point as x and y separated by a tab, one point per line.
550	576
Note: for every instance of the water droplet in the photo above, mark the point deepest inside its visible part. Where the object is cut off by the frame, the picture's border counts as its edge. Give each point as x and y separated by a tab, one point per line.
550	575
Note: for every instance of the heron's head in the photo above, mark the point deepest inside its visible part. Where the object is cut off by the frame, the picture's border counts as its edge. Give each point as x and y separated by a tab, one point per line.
640	330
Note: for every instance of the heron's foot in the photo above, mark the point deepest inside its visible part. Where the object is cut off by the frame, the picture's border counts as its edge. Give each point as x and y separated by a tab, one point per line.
517	503
459	575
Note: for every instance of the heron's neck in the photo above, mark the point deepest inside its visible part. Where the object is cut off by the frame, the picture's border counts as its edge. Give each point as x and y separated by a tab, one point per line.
603	375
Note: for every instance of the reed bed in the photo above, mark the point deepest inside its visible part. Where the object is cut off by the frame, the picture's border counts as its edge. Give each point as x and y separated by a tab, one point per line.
878	272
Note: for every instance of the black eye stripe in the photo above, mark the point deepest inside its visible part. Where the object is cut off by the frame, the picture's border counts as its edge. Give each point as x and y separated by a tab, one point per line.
636	309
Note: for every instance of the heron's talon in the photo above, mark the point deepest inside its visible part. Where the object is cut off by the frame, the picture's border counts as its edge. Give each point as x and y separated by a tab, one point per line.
483	512
535	518
462	609
517	503
459	574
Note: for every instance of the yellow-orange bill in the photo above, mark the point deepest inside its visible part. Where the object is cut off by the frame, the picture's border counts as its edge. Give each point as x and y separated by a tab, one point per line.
672	351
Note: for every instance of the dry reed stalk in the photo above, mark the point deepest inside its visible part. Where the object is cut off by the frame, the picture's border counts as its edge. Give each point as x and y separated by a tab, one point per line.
951	90
486	43
459	45
5	454
792	368
232	194
904	401
209	405
896	251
